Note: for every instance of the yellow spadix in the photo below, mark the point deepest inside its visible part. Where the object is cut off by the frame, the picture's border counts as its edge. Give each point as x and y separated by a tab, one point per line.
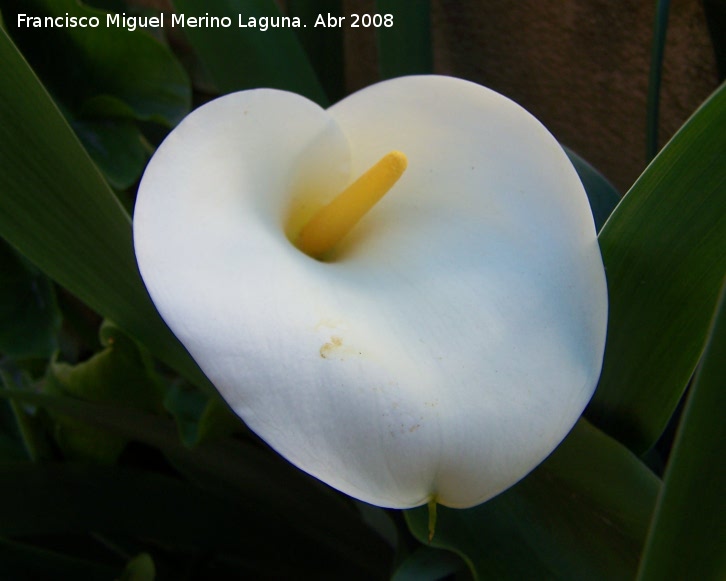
336	219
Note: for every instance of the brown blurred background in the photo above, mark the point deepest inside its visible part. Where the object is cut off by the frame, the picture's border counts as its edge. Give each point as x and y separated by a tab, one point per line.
580	66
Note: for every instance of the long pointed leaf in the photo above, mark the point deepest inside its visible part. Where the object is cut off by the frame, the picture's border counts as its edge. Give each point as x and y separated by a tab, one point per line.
57	210
20	561
73	499
664	249
404	48
715	12
601	193
324	46
29	315
656	66
248	475
688	536
583	514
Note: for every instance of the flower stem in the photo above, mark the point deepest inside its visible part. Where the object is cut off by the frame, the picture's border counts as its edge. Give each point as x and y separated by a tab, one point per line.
432	518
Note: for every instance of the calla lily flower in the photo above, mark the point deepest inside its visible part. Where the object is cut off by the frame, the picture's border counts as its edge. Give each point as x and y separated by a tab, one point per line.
440	348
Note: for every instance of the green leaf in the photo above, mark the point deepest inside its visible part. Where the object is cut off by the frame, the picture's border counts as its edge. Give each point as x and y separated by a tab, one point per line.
116	145
140	568
656	66
28	428
583	514
111	5
79	64
9	451
106	78
404	48
664	249
122	374
254	478
715	11
187	406
218	420
57	210
244	58
687	539
67	498
29	315
428	564
71	499
23	561
11	427
324	46
601	193
201	417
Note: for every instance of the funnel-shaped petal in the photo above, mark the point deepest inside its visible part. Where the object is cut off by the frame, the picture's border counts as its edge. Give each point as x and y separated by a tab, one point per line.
458	333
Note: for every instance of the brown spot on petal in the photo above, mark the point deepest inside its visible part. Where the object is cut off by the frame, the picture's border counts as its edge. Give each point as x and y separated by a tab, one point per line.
328	349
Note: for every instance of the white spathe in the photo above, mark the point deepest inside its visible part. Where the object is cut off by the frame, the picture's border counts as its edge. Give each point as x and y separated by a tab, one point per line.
459	333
